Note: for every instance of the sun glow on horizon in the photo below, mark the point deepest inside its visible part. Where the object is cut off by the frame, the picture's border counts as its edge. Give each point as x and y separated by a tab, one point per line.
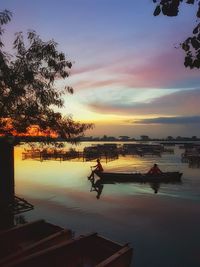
123	77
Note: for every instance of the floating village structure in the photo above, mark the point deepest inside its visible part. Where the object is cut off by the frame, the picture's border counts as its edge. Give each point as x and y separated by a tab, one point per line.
108	151
191	155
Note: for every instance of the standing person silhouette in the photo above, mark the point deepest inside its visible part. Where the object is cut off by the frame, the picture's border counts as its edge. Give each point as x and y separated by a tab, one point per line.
98	169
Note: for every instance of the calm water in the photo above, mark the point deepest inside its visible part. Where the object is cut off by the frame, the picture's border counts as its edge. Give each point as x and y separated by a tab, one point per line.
163	228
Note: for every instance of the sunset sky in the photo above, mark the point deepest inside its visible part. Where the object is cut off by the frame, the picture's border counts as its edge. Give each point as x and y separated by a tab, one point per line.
128	74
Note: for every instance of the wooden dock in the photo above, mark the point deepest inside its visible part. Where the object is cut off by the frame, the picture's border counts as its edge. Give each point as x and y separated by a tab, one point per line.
43	244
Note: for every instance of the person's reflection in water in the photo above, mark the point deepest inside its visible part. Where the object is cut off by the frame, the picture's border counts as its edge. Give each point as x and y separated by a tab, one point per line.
97	186
155	187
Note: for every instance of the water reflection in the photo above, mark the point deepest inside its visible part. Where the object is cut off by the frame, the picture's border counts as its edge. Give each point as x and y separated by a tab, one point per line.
155	187
152	217
70	174
96	186
191	155
194	164
108	151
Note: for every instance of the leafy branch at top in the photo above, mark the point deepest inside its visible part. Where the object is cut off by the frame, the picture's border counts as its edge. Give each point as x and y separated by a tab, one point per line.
191	45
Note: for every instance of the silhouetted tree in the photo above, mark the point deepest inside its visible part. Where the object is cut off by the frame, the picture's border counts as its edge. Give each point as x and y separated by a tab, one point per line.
144	138
124	137
191	45
169	138
28	95
105	137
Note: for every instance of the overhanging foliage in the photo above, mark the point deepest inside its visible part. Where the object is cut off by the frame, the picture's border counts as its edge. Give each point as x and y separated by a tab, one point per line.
28	94
191	45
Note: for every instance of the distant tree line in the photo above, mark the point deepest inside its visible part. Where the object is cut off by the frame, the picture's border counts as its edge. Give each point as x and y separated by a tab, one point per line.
142	138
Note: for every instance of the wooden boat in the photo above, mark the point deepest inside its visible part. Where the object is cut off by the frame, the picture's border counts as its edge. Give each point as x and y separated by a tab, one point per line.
28	238
90	250
122	177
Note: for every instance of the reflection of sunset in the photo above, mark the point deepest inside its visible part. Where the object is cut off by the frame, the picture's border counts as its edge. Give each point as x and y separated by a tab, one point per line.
61	193
69	174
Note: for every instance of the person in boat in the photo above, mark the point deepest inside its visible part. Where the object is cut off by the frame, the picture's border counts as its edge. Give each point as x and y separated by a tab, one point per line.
98	169
155	170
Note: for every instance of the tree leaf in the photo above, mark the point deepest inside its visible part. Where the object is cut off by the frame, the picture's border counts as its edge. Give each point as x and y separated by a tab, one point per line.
196	29
198	12
190	2
157	11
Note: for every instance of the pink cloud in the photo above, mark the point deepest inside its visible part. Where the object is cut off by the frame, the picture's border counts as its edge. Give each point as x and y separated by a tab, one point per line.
161	70
180	103
86	84
158	71
85	69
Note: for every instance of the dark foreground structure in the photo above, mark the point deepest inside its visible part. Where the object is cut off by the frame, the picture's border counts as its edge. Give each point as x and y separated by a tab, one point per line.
43	244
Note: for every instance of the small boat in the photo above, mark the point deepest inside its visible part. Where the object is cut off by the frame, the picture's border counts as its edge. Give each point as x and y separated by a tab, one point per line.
87	250
28	238
125	177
